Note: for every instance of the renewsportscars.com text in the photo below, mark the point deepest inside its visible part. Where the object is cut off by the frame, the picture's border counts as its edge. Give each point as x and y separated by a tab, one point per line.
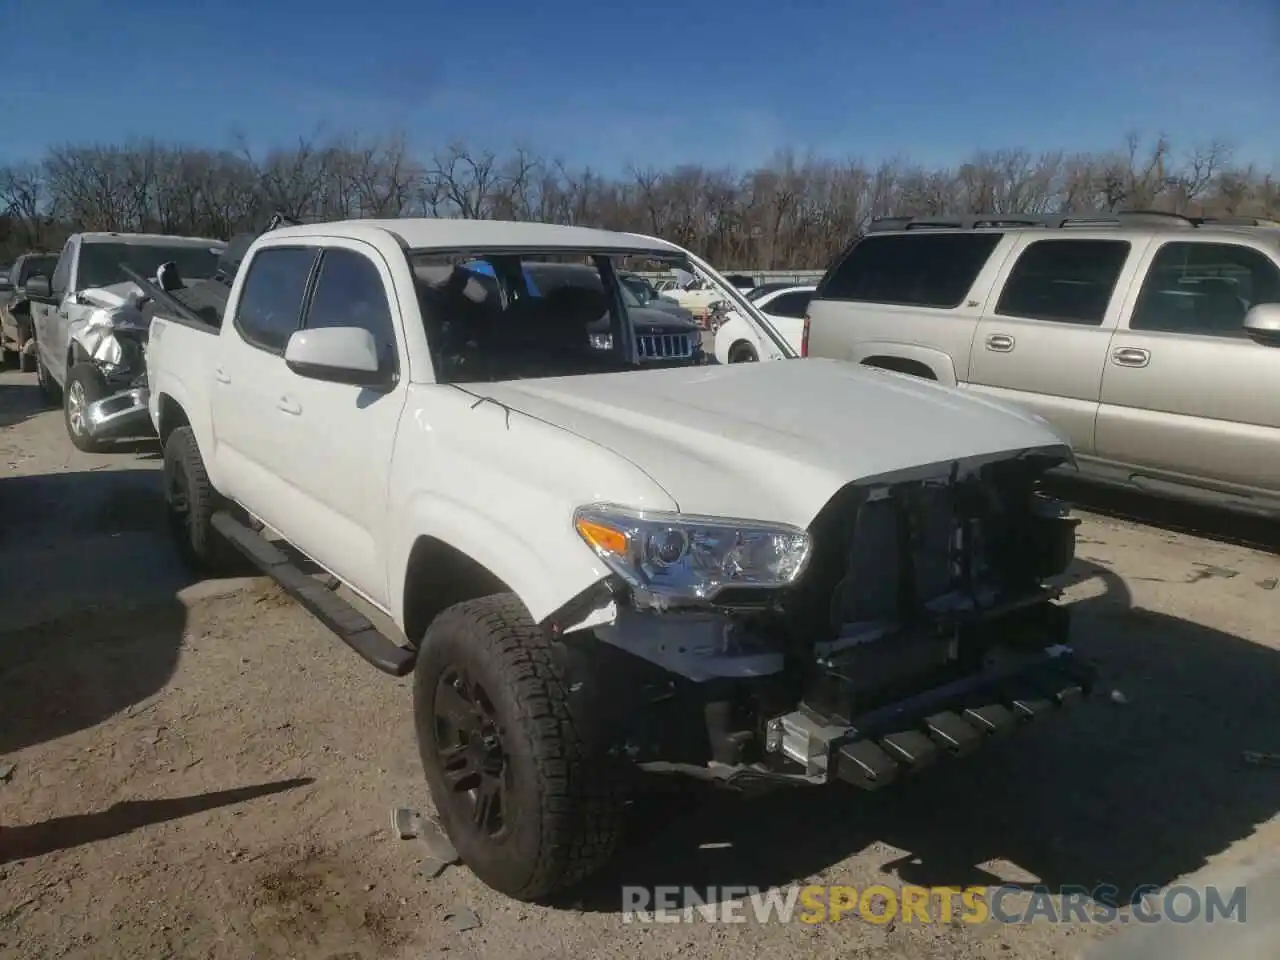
879	903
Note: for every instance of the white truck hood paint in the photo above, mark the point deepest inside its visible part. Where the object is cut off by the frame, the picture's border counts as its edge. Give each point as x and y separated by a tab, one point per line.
775	441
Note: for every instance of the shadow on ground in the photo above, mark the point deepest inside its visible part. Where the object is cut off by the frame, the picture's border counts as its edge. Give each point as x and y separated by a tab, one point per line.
63	833
43	509
20	400
1126	795
1214	523
90	623
69	674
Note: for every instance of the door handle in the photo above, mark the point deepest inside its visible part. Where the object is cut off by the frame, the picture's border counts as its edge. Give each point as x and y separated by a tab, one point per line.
285	405
1130	357
221	375
1000	342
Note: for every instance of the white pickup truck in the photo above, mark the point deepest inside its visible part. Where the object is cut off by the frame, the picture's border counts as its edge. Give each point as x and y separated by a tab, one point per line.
606	561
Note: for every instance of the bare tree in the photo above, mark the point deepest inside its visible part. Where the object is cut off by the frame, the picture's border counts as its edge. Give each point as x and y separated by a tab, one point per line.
793	212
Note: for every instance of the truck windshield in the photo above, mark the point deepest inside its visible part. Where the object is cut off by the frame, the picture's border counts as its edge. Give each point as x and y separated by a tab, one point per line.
100	262
504	316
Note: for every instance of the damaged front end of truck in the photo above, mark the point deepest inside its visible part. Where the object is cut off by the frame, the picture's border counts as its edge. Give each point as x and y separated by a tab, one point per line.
114	340
914	619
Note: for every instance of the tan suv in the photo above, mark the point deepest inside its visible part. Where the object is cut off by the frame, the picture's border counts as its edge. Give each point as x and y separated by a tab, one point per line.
1151	341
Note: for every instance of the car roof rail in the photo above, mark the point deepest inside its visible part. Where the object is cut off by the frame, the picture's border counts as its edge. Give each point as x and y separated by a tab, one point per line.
1154	218
1055	221
1234	221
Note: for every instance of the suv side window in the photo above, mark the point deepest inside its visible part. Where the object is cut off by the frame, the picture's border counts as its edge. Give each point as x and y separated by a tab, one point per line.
61	278
1064	281
789	304
1204	288
270	305
350	293
917	270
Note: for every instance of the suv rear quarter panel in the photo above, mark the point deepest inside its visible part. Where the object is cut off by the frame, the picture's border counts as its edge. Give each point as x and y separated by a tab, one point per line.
941	338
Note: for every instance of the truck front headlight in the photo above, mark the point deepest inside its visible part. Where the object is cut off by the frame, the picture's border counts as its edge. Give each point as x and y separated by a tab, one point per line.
677	556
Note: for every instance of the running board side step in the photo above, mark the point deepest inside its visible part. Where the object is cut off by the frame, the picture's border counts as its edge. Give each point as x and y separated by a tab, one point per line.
352	627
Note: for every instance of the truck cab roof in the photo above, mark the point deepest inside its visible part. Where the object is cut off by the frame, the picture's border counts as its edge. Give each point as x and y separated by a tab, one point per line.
431	233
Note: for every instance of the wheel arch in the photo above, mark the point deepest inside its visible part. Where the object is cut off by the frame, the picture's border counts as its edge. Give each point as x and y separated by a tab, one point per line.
911	358
901	365
437	576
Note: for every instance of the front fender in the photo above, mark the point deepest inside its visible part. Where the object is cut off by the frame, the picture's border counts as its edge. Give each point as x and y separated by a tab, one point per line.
940	362
545	574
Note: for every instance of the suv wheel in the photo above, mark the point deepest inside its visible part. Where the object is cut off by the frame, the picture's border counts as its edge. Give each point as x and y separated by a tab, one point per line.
742	352
531	806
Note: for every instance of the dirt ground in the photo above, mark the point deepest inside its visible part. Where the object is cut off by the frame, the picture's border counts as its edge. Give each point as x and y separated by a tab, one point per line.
200	770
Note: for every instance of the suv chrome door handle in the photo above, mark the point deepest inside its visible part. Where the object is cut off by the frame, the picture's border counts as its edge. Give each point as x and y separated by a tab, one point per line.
1130	357
1000	342
286	405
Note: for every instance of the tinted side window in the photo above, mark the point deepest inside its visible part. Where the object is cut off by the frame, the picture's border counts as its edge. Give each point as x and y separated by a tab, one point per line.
271	303
1204	288
920	270
62	272
1065	281
350	293
789	304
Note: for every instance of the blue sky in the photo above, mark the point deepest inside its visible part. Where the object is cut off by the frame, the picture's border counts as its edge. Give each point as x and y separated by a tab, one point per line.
649	83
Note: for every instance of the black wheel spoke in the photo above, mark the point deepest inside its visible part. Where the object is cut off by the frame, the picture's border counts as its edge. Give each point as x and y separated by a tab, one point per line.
453	706
472	761
459	770
486	813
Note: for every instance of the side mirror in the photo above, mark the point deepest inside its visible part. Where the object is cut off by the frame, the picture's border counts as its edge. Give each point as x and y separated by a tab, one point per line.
1262	324
337	354
37	287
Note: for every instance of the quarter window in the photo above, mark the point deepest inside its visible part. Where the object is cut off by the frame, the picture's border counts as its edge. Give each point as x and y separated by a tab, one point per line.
271	303
1064	281
919	270
350	293
788	304
1204	288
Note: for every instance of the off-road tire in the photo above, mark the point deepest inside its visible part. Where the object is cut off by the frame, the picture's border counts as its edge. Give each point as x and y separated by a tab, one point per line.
88	380
742	352
569	793
191	501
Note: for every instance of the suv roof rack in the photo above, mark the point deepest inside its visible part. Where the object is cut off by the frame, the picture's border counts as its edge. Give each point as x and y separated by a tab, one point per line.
1120	218
1238	222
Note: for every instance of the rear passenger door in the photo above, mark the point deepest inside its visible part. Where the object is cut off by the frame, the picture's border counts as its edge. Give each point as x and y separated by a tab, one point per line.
1186	392
1043	340
250	420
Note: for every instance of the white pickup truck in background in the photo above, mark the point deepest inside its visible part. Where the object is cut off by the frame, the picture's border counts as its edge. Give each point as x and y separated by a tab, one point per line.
604	564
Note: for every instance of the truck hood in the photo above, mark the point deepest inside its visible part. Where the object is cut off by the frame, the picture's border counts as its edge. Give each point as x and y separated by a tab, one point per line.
776	440
115	295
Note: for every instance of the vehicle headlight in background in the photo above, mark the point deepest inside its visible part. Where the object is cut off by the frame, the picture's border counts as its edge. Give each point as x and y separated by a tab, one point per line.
681	557
601	341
